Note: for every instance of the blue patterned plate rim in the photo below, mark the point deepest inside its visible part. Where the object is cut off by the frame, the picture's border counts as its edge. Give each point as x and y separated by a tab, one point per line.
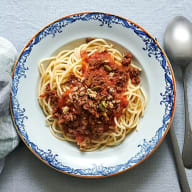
168	97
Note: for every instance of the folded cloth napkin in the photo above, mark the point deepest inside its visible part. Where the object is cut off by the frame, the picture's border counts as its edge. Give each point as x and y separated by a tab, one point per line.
8	136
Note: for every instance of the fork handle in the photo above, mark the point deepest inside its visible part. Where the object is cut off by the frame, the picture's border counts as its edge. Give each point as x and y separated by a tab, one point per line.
183	181
187	146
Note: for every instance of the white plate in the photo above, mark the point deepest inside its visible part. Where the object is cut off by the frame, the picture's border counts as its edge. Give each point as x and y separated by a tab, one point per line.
157	80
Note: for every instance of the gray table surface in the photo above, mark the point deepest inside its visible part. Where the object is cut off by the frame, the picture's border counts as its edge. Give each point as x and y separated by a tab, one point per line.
19	20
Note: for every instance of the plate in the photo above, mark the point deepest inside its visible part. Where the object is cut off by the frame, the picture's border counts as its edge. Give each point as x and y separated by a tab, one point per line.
157	80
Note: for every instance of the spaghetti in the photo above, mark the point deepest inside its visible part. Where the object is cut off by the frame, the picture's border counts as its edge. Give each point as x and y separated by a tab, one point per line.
91	95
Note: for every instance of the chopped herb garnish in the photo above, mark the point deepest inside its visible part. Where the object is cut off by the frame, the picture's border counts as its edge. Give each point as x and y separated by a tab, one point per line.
96	88
107	68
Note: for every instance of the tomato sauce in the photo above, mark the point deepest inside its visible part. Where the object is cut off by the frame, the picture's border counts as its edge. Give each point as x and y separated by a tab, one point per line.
88	109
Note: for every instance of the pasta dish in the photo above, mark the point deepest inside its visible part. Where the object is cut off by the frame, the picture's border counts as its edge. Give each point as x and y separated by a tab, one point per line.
91	95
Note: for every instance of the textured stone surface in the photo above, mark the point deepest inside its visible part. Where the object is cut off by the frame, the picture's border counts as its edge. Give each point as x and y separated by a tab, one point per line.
20	20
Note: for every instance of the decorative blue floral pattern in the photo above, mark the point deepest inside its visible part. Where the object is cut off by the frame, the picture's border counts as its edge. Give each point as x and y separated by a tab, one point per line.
153	51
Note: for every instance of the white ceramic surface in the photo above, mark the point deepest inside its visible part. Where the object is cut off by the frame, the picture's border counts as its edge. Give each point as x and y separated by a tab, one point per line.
157	80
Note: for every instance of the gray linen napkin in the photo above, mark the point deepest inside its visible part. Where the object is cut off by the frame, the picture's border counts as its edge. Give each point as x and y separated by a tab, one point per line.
8	136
